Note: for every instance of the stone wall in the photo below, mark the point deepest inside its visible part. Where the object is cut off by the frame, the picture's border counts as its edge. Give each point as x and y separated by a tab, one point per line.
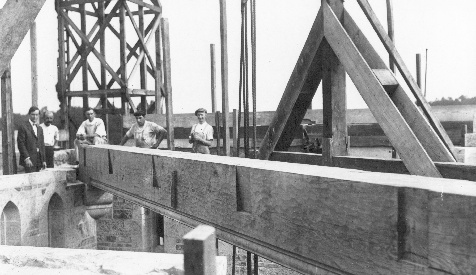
50	210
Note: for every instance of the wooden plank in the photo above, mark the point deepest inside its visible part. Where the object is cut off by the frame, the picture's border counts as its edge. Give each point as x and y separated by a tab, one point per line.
158	70
334	95
102	49
296	93
164	27
387	79
391	31
16	18
224	77
8	126
125	100
403	139
459	171
157	9
213	81
236	150
391	49
143	67
86	67
75	2
416	120
330	219
199	251
95	93
61	64
34	65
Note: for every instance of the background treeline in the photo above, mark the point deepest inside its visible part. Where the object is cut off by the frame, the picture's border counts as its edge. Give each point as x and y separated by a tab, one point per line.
462	100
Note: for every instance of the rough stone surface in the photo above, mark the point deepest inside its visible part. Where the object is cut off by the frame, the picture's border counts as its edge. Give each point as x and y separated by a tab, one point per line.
55	261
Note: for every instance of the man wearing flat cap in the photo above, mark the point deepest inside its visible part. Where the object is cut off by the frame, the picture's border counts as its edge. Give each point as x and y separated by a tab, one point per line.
146	134
202	133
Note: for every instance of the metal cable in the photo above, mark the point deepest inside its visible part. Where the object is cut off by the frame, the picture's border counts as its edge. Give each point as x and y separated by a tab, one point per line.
253	69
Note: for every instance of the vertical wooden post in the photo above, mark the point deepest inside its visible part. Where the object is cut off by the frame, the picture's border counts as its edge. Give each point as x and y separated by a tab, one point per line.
418	69
102	49
34	71
61	85
224	76
218	128
158	76
236	149
199	251
391	32
327	151
464	131
143	64
123	57
8	146
334	95
82	11
164	24
213	77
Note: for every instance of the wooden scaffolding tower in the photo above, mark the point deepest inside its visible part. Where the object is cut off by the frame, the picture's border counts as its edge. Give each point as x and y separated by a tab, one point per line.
82	43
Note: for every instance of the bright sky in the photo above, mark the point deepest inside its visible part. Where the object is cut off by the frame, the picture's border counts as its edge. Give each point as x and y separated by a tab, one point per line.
447	31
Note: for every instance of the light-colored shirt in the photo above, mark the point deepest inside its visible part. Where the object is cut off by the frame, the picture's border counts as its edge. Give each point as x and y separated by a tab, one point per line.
35	129
204	131
145	136
91	128
50	134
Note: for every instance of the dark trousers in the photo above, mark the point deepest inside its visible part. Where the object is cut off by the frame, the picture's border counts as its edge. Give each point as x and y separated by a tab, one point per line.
36	166
50	156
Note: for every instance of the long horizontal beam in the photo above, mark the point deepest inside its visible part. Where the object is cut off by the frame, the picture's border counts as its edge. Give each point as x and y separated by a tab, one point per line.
312	220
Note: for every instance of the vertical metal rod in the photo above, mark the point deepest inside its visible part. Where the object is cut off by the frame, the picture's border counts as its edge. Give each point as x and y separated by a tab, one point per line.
426	70
253	70
248	263
255	262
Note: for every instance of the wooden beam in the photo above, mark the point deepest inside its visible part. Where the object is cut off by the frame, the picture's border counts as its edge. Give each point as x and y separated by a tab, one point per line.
313	220
391	31
123	61
157	9
299	91
199	251
224	77
391	49
90	13
62	72
90	45
86	67
8	126
213	81
95	93
164	27
158	71
16	18
102	48
414	117
143	67
34	65
75	2
403	139
418	69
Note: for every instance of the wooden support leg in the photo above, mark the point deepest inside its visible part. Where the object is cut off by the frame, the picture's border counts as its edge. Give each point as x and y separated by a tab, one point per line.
8	145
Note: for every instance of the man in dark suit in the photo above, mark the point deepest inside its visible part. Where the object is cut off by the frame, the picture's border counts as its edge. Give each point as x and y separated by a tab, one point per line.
31	143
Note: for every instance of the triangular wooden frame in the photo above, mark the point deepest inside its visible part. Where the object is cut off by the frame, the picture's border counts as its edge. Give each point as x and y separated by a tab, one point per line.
409	129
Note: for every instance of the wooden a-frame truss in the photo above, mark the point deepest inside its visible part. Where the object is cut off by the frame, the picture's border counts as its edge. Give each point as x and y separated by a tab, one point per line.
336	45
118	85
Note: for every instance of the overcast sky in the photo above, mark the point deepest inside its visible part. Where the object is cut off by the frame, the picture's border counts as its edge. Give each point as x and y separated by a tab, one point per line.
447	31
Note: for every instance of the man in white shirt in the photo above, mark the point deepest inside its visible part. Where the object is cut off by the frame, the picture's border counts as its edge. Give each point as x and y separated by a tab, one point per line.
202	133
51	136
91	132
146	134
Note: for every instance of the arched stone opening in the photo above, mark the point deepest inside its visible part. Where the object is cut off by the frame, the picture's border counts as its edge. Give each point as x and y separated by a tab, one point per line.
10	225
56	226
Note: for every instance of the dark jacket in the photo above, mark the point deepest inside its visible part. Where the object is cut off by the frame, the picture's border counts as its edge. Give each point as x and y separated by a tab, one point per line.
29	143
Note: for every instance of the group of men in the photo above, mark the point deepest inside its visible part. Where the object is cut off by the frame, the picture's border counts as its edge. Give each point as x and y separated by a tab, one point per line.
36	142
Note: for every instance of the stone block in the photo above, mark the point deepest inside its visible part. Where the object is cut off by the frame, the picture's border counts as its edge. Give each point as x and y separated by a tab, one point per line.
470	140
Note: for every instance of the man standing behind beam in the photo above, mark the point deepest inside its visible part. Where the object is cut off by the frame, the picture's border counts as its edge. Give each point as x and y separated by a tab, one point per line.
51	136
146	134
31	143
